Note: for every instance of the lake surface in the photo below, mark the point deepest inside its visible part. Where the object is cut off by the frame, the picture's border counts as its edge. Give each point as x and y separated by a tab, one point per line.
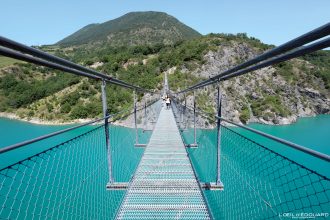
64	177
243	162
15	131
262	178
311	132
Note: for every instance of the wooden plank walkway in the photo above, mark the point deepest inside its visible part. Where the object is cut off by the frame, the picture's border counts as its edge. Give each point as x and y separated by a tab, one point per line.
164	185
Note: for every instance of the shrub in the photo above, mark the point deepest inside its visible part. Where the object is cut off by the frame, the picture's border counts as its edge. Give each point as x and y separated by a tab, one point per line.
245	114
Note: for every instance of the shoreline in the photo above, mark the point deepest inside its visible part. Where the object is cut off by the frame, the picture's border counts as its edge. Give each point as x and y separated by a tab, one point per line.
38	121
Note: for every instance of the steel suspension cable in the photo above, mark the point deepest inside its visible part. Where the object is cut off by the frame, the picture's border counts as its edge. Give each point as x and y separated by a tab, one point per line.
65	64
295	43
287	56
306	150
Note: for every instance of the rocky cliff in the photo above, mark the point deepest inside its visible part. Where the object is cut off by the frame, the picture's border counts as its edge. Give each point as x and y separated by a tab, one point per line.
273	95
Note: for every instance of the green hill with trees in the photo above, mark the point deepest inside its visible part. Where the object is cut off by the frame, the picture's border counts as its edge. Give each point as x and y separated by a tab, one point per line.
134	28
274	95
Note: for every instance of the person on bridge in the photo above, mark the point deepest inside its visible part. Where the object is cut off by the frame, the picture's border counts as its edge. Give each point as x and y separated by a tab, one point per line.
168	102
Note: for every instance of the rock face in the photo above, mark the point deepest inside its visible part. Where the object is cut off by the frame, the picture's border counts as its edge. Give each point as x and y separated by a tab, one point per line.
272	95
267	95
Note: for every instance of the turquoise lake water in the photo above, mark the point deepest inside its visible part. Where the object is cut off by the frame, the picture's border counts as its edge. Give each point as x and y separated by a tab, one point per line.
15	131
247	170
263	178
311	132
64	177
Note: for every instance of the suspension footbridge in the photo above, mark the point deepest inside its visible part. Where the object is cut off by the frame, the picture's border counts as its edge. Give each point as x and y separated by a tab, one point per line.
97	170
164	185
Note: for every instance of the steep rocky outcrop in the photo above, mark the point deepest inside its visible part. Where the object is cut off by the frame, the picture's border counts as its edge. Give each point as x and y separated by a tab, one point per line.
265	96
139	48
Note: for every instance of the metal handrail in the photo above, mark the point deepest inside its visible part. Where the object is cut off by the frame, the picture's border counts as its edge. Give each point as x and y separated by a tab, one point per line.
31	141
282	141
38	61
287	56
132	112
39	57
311	36
311	152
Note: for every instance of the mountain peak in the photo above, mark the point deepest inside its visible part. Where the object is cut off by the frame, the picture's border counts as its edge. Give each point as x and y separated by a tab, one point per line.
133	28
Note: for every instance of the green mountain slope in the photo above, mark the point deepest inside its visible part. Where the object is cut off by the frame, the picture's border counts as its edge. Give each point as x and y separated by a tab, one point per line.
273	95
132	29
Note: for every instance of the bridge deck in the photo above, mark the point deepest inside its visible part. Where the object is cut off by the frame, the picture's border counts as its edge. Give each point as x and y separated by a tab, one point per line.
164	185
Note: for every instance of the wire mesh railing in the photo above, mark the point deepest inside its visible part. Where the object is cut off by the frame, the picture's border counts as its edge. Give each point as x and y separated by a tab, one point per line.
260	182
68	180
59	182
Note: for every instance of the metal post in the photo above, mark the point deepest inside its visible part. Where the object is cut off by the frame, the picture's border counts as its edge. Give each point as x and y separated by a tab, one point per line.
145	114
195	141
135	124
181	111
135	121
185	104
218	182
106	129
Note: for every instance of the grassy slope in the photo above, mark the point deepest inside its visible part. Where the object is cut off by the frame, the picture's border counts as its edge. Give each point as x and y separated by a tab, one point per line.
6	61
139	65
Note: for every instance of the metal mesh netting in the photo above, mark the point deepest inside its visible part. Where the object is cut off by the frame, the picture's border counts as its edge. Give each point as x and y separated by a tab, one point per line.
164	185
150	115
259	183
68	180
275	183
60	183
126	156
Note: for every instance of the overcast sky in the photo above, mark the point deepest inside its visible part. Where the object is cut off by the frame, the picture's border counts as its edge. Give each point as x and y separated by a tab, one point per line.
37	22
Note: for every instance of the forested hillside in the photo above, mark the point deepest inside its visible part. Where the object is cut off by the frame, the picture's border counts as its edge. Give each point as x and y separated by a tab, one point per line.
275	95
134	28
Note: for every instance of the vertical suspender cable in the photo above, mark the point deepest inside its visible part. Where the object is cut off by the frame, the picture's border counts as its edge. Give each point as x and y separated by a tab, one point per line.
106	129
